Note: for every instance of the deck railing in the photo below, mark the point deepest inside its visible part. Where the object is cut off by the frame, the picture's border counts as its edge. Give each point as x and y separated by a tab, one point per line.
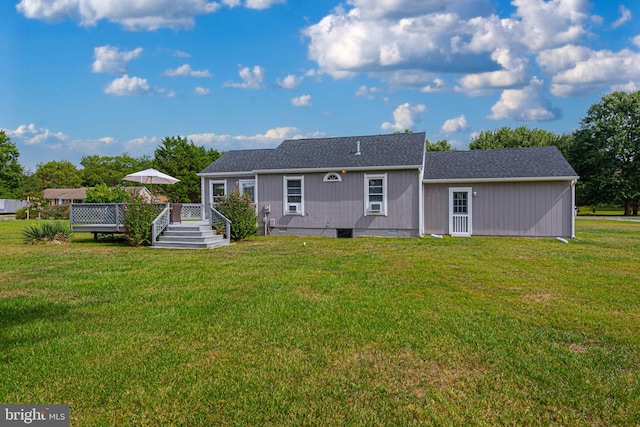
220	222
159	224
106	215
100	217
191	211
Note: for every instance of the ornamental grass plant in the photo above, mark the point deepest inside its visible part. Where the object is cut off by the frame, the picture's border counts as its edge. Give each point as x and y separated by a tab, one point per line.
55	232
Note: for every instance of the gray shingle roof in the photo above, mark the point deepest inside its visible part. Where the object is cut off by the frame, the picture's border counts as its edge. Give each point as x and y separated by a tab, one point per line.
327	153
535	162
238	161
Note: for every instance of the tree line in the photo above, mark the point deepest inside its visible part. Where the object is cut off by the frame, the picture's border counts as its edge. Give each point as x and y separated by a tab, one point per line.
175	156
604	151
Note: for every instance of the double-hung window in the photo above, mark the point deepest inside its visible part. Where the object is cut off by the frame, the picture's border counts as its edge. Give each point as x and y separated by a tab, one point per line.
248	188
375	190
218	190
293	195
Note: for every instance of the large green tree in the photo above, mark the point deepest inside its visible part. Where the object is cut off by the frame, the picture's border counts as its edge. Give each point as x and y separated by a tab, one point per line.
110	170
57	174
521	136
10	170
606	151
182	159
441	145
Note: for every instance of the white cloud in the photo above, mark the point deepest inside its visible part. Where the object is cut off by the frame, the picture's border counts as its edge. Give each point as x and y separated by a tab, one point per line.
290	81
251	78
261	4
515	72
142	145
148	15
556	60
181	54
367	92
626	87
186	70
636	40
412	43
301	101
625	16
165	92
527	104
579	70
203	91
345	43
109	59
413	39
131	14
32	135
41	145
437	85
553	23
457	124
270	138
376	9
125	86
405	116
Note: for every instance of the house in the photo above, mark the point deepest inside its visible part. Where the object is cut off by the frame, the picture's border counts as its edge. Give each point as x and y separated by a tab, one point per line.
388	185
65	196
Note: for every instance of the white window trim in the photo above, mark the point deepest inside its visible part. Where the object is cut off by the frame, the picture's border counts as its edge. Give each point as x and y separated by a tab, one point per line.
247	181
285	179
211	183
326	177
367	210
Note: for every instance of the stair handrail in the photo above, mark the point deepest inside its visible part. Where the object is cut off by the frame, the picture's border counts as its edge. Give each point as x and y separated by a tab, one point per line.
216	218
159	224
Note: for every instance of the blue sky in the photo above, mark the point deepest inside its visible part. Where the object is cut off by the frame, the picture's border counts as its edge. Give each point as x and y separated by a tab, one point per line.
84	77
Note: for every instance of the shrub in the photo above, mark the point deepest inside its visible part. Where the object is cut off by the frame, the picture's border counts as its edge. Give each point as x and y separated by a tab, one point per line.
54	212
138	216
46	232
44	212
22	213
103	194
238	209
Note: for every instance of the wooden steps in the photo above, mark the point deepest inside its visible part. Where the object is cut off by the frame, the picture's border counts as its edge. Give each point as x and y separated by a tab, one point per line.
185	236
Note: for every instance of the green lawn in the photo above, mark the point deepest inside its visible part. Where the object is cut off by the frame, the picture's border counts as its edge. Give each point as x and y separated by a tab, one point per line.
340	332
606	210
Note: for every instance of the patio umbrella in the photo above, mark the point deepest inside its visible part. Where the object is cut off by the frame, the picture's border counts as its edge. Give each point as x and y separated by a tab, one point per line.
151	176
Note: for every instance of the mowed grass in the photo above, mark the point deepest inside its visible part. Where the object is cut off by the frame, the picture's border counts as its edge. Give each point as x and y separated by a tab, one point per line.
486	331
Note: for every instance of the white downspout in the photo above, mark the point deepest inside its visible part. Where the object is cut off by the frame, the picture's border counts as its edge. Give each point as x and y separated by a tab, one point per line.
573	209
204	206
420	203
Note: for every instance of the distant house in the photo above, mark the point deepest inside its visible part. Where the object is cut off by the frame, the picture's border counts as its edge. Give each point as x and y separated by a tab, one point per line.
65	196
388	185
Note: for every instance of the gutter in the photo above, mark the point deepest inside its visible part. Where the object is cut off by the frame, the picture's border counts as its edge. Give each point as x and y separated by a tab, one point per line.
510	179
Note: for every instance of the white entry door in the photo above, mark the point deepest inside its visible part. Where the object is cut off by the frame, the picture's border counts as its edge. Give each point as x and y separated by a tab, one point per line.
460	211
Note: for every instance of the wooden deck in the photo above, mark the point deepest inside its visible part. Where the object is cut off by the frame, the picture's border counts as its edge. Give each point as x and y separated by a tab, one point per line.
105	218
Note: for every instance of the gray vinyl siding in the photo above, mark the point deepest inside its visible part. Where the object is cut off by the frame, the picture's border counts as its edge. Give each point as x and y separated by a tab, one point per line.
531	209
329	206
